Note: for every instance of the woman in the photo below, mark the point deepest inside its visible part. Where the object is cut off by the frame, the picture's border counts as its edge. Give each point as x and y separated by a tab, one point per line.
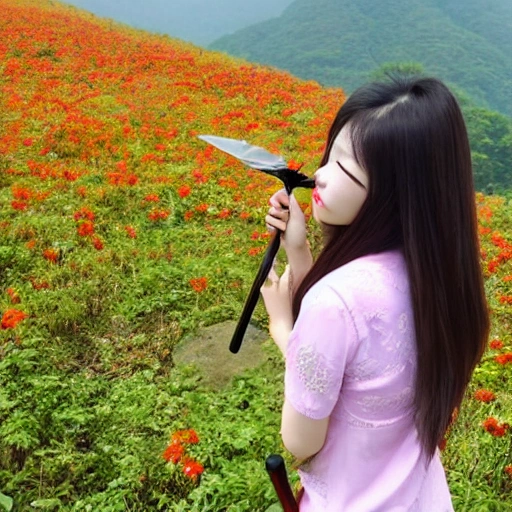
382	332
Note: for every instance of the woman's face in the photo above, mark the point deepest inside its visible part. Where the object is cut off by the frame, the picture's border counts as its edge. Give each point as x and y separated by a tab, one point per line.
341	184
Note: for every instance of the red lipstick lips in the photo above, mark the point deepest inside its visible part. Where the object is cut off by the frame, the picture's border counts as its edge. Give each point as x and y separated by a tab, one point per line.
317	198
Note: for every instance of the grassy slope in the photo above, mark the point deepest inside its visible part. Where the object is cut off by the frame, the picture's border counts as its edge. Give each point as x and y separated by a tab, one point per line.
339	42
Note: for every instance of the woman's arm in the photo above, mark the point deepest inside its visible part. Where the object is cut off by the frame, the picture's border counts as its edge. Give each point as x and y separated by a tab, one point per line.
303	437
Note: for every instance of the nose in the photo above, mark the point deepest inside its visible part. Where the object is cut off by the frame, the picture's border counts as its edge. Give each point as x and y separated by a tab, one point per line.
318	177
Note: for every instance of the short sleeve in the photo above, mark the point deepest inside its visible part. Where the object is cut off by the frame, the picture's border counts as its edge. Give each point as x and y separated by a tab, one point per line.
322	341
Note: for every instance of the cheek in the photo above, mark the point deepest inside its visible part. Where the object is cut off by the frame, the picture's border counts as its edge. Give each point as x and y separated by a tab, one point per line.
352	204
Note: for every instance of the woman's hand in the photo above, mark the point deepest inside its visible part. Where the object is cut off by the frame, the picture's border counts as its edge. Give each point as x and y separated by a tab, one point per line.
285	214
277	298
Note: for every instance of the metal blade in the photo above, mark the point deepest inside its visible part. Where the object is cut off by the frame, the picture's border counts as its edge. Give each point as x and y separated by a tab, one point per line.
253	156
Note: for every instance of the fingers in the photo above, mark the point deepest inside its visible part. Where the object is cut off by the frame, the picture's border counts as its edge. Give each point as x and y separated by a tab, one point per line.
280	200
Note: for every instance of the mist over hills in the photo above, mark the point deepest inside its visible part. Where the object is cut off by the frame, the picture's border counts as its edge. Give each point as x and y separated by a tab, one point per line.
197	21
340	42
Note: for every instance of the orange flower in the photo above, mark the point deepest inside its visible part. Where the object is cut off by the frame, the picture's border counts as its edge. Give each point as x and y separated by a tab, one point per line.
188	436
293	165
152	198
254	251
173	452
484	395
156	215
12	317
199	284
224	213
184	191
51	255
201	208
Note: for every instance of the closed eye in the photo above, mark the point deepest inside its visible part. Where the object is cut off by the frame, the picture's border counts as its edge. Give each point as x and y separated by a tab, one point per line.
350	175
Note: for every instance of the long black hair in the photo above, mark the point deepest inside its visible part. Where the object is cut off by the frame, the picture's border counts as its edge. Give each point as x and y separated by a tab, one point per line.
410	136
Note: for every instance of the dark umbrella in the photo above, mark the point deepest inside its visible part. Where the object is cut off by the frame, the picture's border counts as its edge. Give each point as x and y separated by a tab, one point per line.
262	160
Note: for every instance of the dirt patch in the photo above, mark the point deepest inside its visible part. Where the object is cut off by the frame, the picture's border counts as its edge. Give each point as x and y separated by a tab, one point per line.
209	352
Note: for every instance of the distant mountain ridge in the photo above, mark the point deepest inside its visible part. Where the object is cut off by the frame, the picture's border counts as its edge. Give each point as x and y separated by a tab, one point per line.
197	21
339	42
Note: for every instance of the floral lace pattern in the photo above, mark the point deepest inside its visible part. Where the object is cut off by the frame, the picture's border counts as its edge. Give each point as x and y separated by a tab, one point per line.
313	371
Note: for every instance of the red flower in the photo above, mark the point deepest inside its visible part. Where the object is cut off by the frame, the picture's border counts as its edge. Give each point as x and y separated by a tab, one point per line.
84	213
173	452
188	215
15	298
199	284
85	228
156	215
484	395
19	205
12	317
201	208
254	251
188	436
508	470
98	243
81	191
184	191
152	198
51	255
192	468
494	428
293	165
131	231
496	344
504	358
224	213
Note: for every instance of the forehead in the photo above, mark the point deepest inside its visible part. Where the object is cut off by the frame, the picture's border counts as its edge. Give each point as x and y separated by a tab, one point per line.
342	144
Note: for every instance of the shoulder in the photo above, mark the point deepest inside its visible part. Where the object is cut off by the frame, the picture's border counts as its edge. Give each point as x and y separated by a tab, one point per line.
373	274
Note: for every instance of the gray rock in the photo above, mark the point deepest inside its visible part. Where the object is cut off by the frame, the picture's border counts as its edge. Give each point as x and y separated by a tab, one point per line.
208	351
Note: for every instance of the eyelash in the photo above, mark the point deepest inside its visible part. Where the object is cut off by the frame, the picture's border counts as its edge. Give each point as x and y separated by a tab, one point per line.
350	175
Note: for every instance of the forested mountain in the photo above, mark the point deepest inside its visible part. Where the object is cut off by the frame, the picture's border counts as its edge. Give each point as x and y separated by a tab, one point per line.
339	42
197	21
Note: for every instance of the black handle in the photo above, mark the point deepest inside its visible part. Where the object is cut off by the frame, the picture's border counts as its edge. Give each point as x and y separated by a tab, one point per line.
254	294
277	471
291	180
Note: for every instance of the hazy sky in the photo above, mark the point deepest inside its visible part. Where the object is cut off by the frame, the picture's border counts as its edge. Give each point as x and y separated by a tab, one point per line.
198	21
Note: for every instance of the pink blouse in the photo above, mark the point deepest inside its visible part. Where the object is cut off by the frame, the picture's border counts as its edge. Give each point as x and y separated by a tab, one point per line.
351	357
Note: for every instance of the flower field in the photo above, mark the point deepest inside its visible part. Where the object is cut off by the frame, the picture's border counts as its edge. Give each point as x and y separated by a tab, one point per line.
121	233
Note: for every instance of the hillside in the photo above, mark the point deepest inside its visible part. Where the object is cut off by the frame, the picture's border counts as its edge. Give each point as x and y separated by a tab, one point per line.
197	21
340	41
123	235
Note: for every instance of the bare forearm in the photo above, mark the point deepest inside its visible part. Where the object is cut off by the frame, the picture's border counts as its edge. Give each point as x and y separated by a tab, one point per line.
300	261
